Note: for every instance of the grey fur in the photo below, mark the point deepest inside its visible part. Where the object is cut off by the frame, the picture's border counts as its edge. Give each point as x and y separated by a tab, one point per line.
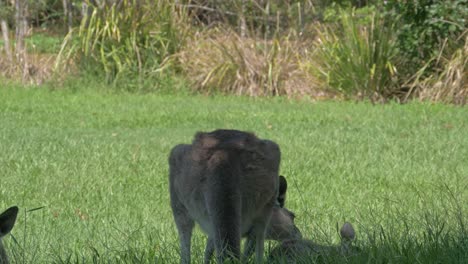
302	250
227	181
7	221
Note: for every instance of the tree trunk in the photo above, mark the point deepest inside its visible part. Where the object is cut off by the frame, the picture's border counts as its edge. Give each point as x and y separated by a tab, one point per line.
19	34
65	12
6	39
21	30
242	22
68	13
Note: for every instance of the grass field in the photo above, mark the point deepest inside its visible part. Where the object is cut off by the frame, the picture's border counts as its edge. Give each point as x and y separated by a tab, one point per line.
89	173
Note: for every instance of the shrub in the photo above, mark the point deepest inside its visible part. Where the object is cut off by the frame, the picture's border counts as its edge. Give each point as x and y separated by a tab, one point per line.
355	57
424	26
265	17
450	85
128	40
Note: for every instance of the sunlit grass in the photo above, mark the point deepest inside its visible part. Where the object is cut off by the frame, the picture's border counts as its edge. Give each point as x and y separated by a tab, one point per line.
97	164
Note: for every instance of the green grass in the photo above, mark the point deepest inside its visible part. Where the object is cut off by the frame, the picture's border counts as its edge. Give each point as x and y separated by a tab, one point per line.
97	164
42	43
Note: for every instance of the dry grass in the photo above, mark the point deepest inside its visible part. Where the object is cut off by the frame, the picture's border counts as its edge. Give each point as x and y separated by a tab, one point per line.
223	61
451	84
37	69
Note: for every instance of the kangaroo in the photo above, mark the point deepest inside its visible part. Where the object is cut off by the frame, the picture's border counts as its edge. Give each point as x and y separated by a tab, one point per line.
227	181
7	221
302	250
281	226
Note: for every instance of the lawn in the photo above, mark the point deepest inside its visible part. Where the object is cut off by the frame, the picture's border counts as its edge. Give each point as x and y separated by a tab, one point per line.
88	170
41	43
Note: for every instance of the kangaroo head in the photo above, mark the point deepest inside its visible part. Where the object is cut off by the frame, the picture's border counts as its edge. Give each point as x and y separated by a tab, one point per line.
282	225
7	221
348	235
292	250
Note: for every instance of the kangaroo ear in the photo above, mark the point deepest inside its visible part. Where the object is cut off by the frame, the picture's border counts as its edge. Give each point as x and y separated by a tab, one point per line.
7	220
283	186
347	232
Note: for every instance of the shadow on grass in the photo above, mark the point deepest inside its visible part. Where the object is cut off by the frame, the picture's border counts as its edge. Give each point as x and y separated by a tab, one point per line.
437	234
380	247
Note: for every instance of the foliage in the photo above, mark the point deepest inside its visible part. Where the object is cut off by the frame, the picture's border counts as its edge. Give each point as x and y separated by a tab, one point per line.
380	50
5	10
264	17
261	17
127	41
424	25
361	16
450	85
43	12
347	3
40	12
355	57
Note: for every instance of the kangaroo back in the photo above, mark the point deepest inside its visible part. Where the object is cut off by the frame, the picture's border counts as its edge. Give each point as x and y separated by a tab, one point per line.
227	182
223	200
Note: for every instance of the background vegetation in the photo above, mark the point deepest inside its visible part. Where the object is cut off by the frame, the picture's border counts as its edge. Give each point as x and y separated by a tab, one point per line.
373	50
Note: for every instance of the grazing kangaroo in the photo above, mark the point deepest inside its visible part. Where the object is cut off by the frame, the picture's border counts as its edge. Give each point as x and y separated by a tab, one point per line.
7	221
227	181
302	250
